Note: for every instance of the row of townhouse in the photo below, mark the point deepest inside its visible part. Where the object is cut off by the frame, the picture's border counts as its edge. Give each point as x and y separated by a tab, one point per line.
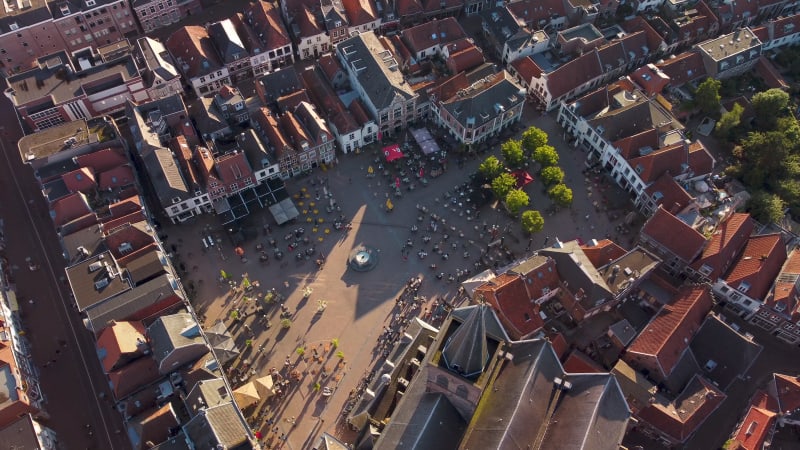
33	29
63	88
246	45
149	342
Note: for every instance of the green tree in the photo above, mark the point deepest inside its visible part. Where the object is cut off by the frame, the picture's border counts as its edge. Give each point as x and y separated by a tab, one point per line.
546	155
766	207
503	184
707	97
335	342
552	175
516	200
512	153
286	323
769	106
532	221
729	122
301	351
533	138
560	194
490	168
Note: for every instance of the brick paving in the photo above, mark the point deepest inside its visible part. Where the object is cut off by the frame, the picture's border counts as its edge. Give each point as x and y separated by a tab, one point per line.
359	305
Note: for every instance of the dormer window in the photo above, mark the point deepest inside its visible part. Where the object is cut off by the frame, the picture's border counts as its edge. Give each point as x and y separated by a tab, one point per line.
744	286
14	26
90	3
705	269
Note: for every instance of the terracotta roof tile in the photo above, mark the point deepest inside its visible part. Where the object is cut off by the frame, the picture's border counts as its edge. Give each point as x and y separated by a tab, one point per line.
573	74
669	193
127	379
669	332
727	241
360	12
268	24
329	65
359	112
69	208
767	71
682	417
672	159
408	7
192	48
80	180
433	6
534	11
117	177
650	78
435	32
762	33
232	167
700	160
674	235
758	265
465	59
102	160
788	392
629	146
290	101
785	292
183	153
329	103
754	429
761	399
604	252
685	67
654	39
120	341
526	69
578	362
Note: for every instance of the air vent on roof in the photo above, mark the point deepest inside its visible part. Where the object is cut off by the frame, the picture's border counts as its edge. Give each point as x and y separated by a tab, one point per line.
100	284
125	247
95	266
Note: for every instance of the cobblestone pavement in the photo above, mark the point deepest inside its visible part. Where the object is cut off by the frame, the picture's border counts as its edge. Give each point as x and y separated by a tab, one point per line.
358	304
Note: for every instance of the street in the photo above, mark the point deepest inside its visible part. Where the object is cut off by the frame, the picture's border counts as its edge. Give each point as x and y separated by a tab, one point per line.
62	349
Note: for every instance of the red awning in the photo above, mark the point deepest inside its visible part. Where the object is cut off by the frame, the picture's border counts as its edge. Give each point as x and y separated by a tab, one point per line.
392	152
522	177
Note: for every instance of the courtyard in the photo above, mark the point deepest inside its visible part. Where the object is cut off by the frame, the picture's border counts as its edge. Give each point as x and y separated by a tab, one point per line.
312	322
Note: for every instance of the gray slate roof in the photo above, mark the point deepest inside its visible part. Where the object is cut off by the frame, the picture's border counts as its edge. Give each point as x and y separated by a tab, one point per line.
426	421
165	176
206	394
577	270
486	104
466	351
227	42
172	332
367	56
219	426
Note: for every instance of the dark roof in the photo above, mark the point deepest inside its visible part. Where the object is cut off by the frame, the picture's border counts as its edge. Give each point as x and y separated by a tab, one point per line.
146	266
227	41
153	426
219	426
483	102
127	304
172	332
20	434
177	442
95	280
165	176
376	70
192	48
733	358
577	270
280	82
467	351
206	394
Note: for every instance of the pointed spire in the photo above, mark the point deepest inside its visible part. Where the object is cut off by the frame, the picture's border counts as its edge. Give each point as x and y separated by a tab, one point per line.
466	351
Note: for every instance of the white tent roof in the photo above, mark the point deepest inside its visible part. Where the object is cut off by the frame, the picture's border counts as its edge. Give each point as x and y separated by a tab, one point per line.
471	284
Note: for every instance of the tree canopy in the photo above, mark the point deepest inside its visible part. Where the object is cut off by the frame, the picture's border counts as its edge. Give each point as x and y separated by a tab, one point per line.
490	168
503	184
516	200
560	194
769	106
729	122
533	138
552	175
707	97
512	153
532	221
766	207
546	155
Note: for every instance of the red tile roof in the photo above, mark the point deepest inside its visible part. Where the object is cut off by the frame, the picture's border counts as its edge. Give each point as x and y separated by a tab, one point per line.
329	103
650	78
575	73
762	33
669	332
682	417
754	429
629	146
761	399
134	217
360	12
654	40
158	425
435	32
120	341
359	112
125	206
685	67
433	6
136	238
785	292
727	241
290	101
294	130
232	167
183	153
788	392
700	160
534	11
465	59
329	65
117	177
192	49
69	208
767	71
102	160
758	265
408	7
578	362
674	235
672	159
80	180
671	194
275	136
127	379
267	23
305	19
512	295
604	252
526	69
